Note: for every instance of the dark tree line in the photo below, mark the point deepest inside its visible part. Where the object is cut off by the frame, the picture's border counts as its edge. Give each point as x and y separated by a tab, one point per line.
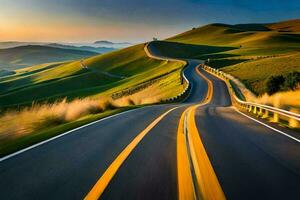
290	81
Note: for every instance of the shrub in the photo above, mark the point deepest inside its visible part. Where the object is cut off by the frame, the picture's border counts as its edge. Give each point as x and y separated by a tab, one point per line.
274	83
292	80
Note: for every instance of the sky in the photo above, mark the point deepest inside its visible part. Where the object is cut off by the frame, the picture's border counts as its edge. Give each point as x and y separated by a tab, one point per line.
129	20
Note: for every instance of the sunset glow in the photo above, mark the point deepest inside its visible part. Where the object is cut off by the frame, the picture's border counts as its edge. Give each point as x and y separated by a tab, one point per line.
133	21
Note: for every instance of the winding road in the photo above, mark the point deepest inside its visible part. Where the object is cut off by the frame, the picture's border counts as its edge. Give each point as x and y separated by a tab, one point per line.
200	149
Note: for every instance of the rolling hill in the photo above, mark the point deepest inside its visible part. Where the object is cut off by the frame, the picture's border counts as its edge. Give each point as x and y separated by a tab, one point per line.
101	75
257	52
245	35
12	44
24	56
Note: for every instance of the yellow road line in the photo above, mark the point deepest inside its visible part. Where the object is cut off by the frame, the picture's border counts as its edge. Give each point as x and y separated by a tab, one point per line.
185	181
207	180
102	183
209	87
208	186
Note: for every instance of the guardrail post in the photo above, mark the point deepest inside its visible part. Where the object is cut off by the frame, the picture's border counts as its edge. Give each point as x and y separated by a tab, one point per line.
250	109
275	117
266	115
294	123
260	112
255	110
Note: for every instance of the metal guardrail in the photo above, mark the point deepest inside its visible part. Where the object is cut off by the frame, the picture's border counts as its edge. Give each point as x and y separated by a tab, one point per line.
264	111
184	93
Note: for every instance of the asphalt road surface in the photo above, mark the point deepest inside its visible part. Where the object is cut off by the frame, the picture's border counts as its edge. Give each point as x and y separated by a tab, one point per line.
250	160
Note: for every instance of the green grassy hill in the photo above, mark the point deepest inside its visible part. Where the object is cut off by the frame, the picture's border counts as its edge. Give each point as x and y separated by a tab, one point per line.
99	75
24	56
42	101
249	35
257	52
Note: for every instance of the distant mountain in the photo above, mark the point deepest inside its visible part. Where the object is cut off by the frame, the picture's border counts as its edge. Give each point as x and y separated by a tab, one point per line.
105	43
24	56
83	48
12	44
98	46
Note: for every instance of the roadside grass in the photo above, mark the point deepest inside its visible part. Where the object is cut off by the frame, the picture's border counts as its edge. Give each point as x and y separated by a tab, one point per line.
19	129
237	91
289	100
34	118
10	145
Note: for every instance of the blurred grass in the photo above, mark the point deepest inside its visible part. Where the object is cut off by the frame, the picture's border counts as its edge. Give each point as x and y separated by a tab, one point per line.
10	145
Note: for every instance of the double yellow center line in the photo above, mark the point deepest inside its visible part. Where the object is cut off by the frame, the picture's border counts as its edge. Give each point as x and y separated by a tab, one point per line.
196	176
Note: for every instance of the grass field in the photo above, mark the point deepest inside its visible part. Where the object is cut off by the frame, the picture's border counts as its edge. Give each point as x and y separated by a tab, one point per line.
11	144
53	81
255	72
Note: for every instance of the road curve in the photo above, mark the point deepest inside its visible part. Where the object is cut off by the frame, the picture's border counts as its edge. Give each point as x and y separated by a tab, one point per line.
68	167
249	160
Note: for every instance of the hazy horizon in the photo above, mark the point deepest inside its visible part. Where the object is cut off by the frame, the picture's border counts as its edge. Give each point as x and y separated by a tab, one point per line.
79	21
64	42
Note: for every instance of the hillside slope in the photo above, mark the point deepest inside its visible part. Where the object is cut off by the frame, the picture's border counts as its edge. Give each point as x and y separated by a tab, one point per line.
24	56
249	35
258	51
99	75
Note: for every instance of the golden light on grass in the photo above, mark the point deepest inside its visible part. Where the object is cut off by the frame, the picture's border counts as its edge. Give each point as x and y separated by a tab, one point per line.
40	116
288	100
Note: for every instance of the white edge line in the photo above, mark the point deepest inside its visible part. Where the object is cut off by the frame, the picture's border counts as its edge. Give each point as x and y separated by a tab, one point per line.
270	127
63	134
